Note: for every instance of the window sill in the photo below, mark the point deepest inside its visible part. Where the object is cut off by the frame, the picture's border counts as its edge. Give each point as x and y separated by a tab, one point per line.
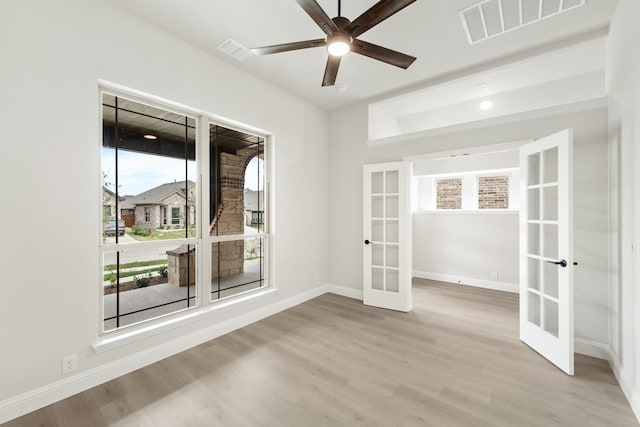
469	212
124	337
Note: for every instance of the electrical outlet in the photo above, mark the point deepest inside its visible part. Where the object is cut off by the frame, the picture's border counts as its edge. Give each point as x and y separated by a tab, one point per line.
494	275
69	363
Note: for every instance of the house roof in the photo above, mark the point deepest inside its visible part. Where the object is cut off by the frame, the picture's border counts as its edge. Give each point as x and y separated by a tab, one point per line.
156	195
251	198
107	191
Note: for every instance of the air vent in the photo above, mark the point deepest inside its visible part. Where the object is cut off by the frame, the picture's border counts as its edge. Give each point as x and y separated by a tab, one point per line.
490	18
235	49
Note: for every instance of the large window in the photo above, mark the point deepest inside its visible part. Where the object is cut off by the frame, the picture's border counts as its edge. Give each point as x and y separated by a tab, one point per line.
148	159
157	234
236	192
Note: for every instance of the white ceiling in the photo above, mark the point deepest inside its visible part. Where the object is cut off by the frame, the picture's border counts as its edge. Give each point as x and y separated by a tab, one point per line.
574	75
428	29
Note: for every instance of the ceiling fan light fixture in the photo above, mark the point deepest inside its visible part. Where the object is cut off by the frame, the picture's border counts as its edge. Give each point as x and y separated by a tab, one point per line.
339	45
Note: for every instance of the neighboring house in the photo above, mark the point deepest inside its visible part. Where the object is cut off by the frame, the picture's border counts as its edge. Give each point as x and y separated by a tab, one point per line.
127	210
109	207
108	203
253	207
162	206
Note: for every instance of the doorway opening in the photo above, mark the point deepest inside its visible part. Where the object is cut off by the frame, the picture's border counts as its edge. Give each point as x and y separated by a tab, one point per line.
465	218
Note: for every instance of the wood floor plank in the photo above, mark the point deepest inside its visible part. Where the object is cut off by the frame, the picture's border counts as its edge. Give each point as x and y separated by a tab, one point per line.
455	360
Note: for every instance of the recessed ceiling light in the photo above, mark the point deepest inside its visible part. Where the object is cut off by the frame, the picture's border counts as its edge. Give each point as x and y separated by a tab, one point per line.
149	136
486	105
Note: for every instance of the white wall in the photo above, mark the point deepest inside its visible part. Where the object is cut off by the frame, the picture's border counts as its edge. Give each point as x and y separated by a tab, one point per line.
623	69
466	246
499	160
53	54
348	152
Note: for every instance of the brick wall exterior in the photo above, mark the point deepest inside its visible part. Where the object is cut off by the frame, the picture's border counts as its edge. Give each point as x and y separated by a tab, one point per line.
154	217
449	193
230	255
493	192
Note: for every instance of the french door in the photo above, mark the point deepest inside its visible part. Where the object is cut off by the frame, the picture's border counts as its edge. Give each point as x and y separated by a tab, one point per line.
387	236
546	248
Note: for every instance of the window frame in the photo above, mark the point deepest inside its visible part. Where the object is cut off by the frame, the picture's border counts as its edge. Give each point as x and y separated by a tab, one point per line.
175	219
202	240
469	192
265	234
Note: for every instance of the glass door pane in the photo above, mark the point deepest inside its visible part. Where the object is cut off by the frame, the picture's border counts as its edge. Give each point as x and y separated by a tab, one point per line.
550	162
385	205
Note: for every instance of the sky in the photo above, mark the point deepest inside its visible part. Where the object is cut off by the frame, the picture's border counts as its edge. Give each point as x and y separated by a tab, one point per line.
140	172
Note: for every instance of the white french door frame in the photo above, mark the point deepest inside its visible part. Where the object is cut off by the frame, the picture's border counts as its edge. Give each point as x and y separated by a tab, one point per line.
387	236
547	330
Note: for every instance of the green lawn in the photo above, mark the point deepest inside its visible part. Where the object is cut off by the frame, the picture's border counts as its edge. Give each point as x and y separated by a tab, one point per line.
109	267
161	235
124	274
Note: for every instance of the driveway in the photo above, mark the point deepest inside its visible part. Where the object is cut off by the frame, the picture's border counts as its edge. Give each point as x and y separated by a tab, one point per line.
109	240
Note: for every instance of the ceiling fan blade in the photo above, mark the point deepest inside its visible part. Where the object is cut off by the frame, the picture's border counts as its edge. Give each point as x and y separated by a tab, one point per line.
319	16
375	15
382	54
285	47
331	71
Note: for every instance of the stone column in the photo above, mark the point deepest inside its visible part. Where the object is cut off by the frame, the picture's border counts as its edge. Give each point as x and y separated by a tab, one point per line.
231	219
182	265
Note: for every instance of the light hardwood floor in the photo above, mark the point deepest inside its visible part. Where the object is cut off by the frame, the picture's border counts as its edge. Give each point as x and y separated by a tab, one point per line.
455	360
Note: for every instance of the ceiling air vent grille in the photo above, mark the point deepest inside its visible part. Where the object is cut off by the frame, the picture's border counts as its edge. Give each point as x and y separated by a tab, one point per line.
490	18
235	49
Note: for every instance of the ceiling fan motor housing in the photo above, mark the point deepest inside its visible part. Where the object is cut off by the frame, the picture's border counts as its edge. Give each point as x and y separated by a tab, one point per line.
341	22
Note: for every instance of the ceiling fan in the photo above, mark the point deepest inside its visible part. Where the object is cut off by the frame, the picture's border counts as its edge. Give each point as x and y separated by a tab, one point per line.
341	36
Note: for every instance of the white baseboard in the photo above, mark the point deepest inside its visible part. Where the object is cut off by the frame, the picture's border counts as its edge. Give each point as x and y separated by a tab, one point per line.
592	348
40	397
344	291
632	395
468	281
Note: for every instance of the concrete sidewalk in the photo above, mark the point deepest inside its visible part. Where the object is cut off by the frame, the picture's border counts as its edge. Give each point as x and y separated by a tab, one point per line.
143	298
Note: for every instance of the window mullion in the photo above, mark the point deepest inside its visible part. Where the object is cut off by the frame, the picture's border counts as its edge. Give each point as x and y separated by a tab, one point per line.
204	207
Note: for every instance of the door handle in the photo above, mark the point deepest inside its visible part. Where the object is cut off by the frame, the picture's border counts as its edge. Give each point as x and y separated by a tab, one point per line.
562	263
366	242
